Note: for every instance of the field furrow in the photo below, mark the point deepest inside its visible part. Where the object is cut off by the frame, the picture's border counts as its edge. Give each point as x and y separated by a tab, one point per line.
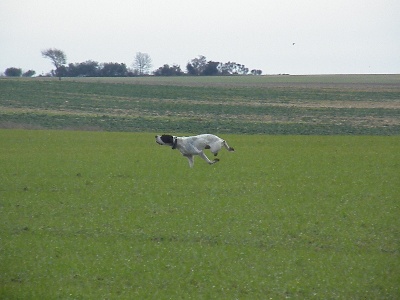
230	106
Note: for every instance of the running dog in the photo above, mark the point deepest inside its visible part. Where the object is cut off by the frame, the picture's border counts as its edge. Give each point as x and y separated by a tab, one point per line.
194	145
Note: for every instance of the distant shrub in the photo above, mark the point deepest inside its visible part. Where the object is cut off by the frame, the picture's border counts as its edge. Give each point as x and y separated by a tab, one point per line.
13	72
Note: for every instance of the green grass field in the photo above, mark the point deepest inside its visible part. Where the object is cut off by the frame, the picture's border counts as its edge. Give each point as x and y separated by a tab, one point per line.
99	215
307	206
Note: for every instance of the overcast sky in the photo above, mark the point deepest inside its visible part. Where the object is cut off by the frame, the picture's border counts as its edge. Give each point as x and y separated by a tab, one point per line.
285	36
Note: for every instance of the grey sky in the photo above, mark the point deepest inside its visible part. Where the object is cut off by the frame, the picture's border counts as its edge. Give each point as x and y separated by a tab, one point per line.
341	36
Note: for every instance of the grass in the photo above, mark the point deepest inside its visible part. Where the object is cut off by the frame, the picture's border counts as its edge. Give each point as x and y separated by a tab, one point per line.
97	215
323	105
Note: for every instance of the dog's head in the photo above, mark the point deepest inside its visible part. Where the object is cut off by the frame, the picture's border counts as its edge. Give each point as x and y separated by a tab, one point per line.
166	140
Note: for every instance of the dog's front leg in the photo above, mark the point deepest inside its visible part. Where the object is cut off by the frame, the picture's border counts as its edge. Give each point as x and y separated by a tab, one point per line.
190	159
203	156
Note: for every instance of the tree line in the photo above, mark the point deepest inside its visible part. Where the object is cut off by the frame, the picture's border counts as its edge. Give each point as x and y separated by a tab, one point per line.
141	66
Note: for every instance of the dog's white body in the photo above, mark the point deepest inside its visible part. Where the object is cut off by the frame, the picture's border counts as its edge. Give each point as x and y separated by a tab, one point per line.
194	145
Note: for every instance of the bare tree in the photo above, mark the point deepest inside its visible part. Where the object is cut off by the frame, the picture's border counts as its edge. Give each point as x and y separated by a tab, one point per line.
57	57
142	63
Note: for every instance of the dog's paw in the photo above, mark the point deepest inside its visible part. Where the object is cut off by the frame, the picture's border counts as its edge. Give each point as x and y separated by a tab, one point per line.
231	149
216	160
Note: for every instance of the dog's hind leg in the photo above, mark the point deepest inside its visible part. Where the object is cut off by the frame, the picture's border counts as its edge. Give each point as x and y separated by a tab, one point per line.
227	146
215	152
203	156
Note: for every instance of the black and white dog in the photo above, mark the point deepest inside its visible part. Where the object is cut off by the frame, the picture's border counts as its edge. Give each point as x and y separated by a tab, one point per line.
194	145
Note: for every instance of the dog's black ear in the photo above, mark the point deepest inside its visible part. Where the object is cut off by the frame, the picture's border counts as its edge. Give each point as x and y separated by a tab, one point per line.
167	139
